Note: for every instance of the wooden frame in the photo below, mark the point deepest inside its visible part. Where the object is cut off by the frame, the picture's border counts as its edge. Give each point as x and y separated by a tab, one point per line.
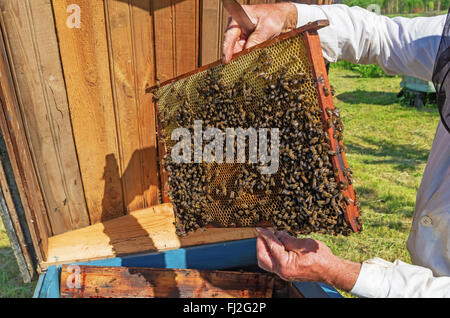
219	256
320	76
164	176
144	282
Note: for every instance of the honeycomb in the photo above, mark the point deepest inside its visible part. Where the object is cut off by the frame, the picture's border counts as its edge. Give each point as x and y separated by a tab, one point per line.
212	193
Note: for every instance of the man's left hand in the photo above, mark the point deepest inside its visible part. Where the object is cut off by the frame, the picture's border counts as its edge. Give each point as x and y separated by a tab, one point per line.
304	260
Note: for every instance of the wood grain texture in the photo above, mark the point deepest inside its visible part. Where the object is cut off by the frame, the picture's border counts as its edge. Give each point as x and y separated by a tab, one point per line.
145	69
11	222
162	152
211	31
41	92
130	33
164	15
84	54
187	20
147	230
318	69
19	153
122	282
176	37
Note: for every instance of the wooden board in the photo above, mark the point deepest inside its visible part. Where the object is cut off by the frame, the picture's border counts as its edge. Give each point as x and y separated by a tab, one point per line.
84	55
148	230
19	153
145	65
176	37
165	51
122	282
187	21
211	31
37	73
18	238
130	32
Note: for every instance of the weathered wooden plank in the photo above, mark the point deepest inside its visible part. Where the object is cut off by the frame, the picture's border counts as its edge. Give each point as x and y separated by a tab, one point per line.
84	54
130	31
145	69
148	230
17	236
15	241
39	81
176	25
123	282
20	157
211	31
120	33
186	35
163	14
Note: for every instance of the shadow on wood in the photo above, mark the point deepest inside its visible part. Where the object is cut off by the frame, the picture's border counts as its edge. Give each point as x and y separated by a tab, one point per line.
135	183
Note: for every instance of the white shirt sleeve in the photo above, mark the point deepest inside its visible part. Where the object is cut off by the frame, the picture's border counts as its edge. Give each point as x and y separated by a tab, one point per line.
399	45
380	279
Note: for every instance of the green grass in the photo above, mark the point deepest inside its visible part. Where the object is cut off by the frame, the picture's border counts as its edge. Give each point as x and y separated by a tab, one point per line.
415	15
388	146
11	283
366	71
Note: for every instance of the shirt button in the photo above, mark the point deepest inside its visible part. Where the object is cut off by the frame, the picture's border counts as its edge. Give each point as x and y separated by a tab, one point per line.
426	221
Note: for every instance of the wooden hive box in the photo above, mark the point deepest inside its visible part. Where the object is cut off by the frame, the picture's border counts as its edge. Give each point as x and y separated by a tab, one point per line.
80	174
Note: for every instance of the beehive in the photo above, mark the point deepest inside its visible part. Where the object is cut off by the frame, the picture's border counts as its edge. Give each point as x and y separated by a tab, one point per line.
82	183
274	85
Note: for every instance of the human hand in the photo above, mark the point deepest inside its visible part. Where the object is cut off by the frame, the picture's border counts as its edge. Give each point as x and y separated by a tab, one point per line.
270	19
304	260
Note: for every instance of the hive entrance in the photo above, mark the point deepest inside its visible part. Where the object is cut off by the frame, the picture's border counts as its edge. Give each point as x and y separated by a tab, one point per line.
269	87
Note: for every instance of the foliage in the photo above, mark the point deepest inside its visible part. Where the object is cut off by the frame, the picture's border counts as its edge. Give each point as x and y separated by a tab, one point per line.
402	6
365	71
417	99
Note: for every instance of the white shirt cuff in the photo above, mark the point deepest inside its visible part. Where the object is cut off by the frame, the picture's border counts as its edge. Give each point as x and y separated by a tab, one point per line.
308	13
370	282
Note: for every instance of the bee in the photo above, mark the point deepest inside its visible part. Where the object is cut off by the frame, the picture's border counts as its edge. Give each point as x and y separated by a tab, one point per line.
333	91
332	153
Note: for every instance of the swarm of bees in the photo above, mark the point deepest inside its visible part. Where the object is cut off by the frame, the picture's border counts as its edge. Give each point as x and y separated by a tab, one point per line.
304	196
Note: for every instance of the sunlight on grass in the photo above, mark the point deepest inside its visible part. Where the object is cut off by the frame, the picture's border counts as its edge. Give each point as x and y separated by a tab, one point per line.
387	148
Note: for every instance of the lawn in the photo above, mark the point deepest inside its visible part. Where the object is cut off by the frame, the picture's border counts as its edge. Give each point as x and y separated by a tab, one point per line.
11	284
388	146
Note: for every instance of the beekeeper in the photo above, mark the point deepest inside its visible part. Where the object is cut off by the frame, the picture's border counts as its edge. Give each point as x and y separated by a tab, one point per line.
418	47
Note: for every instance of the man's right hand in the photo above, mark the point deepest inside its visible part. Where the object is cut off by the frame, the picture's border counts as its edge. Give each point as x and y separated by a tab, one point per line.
270	19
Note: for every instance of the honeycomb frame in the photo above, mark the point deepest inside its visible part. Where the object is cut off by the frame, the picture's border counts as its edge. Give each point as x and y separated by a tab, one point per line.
306	43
